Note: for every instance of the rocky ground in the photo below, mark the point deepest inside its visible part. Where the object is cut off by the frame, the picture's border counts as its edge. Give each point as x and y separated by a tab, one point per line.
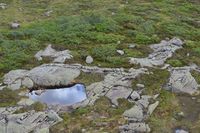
116	84
139	61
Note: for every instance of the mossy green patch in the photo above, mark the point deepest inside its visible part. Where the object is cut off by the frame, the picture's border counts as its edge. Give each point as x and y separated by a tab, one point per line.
37	106
92	117
153	81
196	76
8	97
175	63
89	78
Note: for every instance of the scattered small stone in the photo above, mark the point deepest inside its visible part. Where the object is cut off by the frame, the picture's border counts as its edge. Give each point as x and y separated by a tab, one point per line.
135	96
188	54
48	13
89	59
181	114
83	130
3	5
193	98
14	25
121	52
118	42
113	13
140	85
131	46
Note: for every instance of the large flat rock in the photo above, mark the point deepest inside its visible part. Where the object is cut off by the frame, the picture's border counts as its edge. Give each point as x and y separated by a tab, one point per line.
41	76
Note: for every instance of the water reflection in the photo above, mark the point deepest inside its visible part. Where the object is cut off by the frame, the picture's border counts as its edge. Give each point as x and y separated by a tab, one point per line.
64	96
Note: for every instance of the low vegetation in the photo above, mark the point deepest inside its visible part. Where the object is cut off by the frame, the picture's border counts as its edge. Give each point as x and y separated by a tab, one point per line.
89	78
101	117
8	97
37	106
98	28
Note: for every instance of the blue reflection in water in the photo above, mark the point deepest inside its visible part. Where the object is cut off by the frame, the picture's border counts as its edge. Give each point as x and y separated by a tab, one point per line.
63	96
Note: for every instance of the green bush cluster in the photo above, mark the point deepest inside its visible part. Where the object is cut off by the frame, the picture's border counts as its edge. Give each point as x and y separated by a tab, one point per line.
8	97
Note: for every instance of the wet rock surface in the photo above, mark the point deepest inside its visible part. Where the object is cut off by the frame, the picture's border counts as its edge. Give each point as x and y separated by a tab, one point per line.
161	52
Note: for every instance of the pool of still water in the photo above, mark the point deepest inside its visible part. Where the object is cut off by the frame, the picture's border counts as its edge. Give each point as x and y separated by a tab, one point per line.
60	96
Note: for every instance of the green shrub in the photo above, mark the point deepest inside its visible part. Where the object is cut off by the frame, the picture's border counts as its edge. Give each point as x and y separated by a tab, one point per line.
104	51
8	97
175	63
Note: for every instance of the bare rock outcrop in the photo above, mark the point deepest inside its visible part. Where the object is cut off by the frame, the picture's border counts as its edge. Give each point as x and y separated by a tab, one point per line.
58	56
41	76
161	52
181	80
27	122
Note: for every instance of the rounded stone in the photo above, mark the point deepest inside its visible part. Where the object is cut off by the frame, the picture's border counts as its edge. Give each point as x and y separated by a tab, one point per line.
89	59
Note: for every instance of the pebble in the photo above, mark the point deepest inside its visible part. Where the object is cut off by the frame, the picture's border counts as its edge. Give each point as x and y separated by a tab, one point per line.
89	59
140	86
121	52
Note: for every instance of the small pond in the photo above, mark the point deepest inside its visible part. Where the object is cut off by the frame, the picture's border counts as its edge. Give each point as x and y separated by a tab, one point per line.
61	96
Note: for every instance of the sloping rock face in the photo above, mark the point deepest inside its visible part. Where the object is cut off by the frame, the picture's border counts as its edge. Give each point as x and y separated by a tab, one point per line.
42	76
161	52
181	80
59	56
26	122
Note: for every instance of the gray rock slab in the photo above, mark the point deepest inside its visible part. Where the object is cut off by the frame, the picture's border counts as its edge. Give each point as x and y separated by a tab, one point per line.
182	81
59	56
161	52
134	114
135	128
118	92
